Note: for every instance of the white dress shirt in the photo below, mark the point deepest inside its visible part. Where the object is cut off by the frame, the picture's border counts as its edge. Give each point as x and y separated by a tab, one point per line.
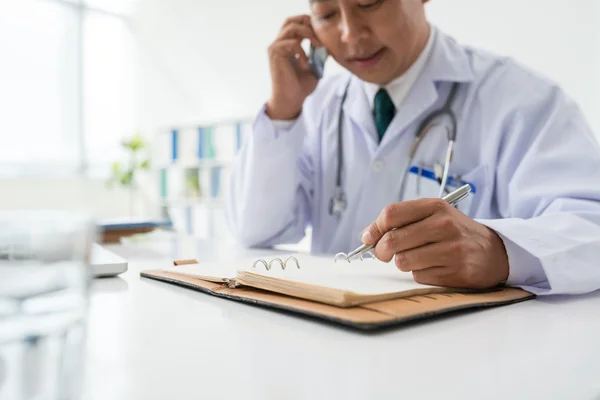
398	88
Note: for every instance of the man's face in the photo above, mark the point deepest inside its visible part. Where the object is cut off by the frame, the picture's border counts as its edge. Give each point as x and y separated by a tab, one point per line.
376	40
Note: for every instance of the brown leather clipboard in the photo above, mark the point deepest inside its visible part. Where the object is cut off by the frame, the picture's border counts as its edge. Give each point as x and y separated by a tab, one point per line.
365	317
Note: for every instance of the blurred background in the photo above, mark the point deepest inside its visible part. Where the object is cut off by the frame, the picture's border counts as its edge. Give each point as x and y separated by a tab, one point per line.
136	107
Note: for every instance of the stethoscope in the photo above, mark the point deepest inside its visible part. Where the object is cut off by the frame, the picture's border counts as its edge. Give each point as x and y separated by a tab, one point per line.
338	203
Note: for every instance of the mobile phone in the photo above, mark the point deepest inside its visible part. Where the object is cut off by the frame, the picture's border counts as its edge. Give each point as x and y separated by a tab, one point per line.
316	59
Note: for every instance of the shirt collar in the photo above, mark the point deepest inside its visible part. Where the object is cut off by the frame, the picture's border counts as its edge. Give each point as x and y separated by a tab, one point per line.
448	62
398	88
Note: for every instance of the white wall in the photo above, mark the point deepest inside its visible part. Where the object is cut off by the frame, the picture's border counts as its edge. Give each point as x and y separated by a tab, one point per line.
202	60
89	195
64	194
559	38
206	60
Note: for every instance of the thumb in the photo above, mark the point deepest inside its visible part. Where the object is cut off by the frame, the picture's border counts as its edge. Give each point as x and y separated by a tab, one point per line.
371	234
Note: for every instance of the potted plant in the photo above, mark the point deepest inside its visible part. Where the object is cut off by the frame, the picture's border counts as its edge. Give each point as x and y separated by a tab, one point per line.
125	174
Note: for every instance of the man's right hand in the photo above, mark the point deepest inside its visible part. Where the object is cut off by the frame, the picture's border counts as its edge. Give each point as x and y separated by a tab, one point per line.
291	76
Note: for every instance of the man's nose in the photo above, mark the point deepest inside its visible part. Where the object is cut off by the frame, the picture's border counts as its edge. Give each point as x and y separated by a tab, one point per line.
353	28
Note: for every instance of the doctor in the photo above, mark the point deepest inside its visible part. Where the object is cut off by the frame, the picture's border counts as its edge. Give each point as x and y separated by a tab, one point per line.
367	150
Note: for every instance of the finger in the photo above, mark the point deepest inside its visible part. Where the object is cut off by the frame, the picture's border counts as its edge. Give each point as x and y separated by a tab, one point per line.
436	276
290	48
302	60
433	229
440	254
398	215
300	32
303	19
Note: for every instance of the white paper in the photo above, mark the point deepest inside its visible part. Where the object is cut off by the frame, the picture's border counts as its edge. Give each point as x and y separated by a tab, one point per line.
367	277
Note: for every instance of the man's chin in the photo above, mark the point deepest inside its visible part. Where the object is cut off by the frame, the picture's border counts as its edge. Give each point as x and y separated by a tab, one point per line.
374	76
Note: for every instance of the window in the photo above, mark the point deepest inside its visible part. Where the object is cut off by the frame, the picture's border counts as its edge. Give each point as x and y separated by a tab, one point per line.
120	7
108	89
66	79
38	77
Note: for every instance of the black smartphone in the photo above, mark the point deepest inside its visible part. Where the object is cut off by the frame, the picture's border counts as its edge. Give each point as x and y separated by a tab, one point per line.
316	59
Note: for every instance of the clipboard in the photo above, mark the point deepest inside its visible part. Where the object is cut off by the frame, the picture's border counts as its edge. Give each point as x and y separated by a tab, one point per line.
366	317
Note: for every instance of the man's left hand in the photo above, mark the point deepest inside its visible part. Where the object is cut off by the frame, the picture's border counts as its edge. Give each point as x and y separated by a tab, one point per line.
439	245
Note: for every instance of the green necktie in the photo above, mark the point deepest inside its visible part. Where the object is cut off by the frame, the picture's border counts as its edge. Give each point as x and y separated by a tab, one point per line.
384	112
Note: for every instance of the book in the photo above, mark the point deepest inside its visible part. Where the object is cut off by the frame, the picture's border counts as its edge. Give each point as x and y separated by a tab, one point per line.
113	229
129	223
315	278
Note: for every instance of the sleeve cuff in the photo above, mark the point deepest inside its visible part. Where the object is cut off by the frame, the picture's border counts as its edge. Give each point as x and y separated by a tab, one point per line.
282	125
266	128
525	269
267	141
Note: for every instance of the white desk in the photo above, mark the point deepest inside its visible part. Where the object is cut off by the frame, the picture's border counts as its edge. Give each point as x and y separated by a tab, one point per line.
150	340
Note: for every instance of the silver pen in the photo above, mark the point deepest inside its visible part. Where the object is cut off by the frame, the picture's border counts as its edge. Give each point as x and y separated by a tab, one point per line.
453	198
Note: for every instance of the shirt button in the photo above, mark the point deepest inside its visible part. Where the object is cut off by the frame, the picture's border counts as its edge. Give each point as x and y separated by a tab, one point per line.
377	166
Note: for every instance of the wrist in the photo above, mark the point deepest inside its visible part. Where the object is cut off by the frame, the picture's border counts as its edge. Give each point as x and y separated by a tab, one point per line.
500	257
281	113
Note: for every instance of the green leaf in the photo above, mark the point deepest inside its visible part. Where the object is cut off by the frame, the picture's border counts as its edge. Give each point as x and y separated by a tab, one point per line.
192	182
135	143
127	178
123	173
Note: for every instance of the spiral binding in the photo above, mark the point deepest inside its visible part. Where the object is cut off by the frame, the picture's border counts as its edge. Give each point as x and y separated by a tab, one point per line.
283	264
344	256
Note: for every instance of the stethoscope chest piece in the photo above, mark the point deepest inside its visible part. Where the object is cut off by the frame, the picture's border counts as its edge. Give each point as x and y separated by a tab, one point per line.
338	203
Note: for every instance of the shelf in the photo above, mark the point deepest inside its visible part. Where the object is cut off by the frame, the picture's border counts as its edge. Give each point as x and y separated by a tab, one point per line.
192	202
203	163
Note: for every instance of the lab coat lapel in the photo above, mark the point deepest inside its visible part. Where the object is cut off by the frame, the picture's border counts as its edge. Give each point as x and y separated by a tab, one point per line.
357	108
448	62
421	97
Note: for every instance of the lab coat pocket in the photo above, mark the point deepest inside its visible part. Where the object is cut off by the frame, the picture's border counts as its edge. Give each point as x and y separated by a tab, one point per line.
421	182
479	181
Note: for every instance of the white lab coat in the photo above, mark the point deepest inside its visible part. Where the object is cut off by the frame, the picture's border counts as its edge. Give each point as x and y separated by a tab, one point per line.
521	142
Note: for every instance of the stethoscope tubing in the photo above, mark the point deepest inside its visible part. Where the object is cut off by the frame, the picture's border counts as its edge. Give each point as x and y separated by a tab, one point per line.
422	130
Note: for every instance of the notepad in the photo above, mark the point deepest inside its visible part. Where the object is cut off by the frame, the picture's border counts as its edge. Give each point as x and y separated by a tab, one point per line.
316	278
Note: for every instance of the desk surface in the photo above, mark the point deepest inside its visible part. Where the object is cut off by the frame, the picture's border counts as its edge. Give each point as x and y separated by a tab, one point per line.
150	340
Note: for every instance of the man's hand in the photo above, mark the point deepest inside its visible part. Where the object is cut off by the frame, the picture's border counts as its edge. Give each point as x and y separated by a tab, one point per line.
439	245
291	77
